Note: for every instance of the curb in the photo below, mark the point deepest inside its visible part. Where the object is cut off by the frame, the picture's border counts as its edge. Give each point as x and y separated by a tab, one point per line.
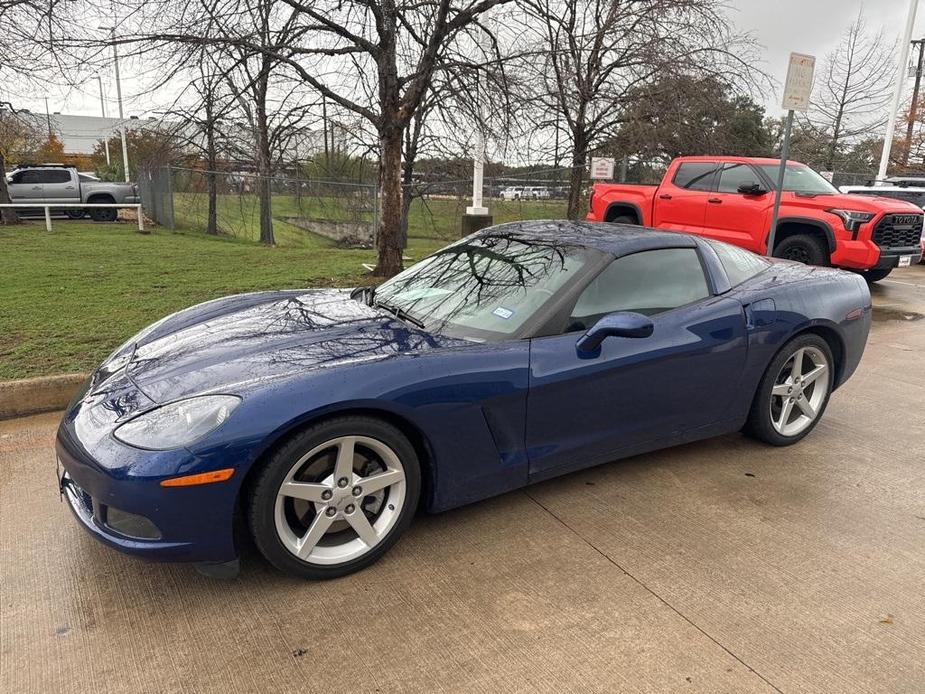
34	395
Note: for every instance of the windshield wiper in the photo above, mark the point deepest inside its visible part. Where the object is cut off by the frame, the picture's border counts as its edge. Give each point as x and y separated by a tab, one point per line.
399	313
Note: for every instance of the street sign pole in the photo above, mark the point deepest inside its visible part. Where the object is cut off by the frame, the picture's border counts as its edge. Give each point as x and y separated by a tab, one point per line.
797	90
784	154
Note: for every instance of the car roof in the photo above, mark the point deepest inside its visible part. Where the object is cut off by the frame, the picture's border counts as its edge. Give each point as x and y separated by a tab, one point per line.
731	159
614	239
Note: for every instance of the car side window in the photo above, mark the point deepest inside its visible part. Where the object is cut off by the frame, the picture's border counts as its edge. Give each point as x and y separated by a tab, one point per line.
695	175
57	176
30	176
738	263
734	175
648	282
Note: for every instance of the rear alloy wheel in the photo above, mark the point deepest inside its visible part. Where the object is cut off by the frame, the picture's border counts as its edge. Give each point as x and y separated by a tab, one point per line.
793	393
802	248
335	497
623	219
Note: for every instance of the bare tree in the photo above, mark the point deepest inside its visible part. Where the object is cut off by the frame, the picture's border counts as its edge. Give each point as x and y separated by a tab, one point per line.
20	137
852	89
590	54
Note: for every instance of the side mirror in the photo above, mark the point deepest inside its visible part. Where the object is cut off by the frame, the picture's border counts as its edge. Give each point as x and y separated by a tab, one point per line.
751	189
621	324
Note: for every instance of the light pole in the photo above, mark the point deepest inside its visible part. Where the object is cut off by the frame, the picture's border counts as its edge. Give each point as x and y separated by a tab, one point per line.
477	215
103	110
115	58
910	125
897	92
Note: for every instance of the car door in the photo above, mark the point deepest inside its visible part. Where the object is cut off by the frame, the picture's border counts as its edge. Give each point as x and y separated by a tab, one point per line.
60	186
738	218
681	202
637	393
26	186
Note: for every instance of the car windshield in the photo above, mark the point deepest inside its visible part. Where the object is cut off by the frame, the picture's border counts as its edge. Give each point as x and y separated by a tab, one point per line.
483	288
799	179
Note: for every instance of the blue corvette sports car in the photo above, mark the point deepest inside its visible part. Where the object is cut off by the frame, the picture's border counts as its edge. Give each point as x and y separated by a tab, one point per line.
323	419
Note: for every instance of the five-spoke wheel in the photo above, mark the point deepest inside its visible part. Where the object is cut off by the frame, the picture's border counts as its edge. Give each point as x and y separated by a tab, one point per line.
335	497
794	391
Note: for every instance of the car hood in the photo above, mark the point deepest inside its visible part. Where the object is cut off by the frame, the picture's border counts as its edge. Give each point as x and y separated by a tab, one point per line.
859	203
238	342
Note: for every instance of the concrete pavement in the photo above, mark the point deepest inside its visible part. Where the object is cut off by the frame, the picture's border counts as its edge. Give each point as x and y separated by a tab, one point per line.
721	566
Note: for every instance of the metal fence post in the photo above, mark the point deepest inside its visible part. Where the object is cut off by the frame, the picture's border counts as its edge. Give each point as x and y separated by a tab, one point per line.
169	198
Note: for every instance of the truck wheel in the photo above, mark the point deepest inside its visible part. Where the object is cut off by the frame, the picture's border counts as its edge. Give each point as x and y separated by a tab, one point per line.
104	214
623	219
802	248
876	275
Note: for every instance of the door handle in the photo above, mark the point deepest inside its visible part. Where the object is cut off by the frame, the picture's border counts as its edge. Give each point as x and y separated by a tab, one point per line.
664	196
36	187
69	188
715	201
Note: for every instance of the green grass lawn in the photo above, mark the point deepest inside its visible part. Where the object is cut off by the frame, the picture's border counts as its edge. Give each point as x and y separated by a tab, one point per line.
69	297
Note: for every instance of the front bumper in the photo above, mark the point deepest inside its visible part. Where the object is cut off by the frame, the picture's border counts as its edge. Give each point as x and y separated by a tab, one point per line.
890	257
193	524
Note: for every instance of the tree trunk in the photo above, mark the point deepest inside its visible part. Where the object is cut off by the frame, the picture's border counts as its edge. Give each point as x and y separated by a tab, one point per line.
264	173
407	177
212	220
388	235
577	176
8	215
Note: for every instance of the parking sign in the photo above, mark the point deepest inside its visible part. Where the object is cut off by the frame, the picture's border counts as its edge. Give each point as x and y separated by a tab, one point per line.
799	83
602	168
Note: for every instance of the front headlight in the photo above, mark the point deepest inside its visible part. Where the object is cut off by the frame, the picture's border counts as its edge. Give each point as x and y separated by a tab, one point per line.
852	219
177	424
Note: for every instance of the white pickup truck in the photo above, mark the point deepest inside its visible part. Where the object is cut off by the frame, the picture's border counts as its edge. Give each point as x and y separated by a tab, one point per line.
64	185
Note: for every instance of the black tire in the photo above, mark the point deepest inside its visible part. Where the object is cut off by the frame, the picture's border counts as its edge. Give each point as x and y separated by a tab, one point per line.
876	275
76	213
803	248
759	424
624	219
104	214
261	495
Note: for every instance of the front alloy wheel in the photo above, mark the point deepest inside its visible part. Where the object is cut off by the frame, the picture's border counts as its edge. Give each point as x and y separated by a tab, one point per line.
340	500
335	497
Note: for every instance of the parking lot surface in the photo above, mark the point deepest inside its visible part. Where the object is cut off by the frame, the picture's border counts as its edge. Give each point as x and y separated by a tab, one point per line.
720	566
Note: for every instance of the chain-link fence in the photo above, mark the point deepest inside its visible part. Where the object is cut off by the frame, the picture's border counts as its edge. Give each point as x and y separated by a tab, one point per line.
345	213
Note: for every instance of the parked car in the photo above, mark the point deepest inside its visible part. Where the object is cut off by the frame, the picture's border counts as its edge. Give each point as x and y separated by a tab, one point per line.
62	184
730	199
525	193
906	180
323	419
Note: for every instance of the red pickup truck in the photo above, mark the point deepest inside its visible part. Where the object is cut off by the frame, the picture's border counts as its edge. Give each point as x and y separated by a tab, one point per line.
730	199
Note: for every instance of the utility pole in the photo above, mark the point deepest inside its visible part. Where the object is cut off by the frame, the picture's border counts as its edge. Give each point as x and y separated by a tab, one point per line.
103	109
897	91
915	98
115	58
324	121
48	117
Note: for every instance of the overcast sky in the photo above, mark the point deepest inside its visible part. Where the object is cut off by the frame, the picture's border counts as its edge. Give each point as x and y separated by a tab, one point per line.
813	27
779	26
